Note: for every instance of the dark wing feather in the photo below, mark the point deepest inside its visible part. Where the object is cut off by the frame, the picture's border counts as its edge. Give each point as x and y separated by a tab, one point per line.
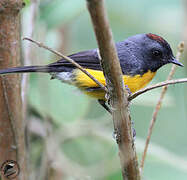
87	59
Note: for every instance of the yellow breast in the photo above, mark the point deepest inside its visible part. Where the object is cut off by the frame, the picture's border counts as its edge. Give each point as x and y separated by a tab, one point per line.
134	83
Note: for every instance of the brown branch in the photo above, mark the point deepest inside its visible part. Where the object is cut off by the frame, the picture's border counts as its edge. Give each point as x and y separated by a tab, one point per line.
68	59
12	126
158	106
117	93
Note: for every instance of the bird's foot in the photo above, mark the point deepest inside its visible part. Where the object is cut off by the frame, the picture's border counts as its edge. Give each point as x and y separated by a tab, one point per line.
128	90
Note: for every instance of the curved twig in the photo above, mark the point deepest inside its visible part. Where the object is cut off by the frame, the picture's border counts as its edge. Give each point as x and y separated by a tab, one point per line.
158	106
161	84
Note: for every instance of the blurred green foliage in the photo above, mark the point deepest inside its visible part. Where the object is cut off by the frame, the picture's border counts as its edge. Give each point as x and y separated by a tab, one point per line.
65	25
27	2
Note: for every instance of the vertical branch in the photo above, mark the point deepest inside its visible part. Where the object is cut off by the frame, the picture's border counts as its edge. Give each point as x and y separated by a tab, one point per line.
117	93
12	143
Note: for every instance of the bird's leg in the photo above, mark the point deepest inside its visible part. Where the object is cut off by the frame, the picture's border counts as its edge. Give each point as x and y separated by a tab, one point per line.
103	103
128	90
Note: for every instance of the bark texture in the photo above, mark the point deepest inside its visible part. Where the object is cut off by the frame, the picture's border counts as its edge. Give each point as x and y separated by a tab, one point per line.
12	127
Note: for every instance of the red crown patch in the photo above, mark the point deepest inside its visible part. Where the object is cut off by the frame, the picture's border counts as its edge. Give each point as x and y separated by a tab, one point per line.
156	38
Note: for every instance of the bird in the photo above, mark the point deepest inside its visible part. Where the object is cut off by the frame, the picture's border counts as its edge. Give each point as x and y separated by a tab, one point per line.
140	57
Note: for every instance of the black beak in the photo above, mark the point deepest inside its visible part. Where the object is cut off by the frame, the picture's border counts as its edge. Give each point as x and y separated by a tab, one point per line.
175	61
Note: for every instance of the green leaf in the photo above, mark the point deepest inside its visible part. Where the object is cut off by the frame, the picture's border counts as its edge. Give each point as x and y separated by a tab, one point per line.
27	2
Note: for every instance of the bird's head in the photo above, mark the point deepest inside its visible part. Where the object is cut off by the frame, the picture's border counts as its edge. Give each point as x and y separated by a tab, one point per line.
154	51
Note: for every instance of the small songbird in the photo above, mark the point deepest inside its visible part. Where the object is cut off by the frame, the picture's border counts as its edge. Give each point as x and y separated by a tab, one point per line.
140	57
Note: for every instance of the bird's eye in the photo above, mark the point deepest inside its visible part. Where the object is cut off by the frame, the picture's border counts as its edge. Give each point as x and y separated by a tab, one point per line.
157	53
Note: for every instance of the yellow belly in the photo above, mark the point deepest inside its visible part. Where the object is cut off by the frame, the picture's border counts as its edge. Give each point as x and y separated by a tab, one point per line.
134	83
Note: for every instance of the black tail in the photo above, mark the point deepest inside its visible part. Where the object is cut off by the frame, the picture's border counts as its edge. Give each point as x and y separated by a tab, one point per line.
28	69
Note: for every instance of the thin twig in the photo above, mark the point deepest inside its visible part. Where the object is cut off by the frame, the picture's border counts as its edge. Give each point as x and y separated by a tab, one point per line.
158	106
68	59
117	92
158	85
